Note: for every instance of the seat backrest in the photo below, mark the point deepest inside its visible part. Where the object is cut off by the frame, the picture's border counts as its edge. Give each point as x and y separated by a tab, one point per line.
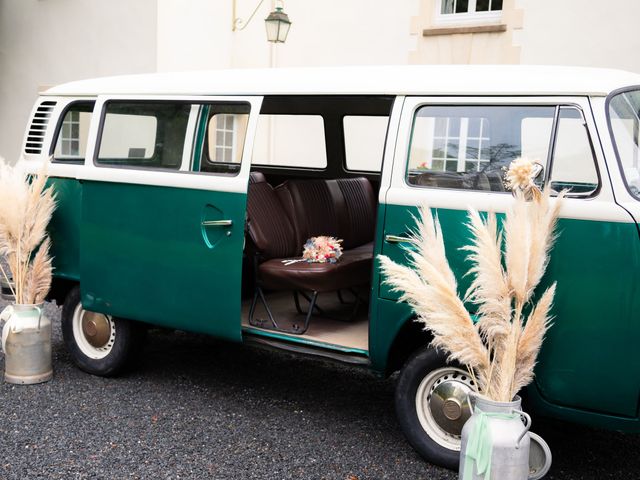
311	208
343	208
360	202
269	226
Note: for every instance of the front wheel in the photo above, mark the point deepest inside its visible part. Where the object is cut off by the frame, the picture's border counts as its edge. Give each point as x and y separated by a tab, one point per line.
99	344
432	406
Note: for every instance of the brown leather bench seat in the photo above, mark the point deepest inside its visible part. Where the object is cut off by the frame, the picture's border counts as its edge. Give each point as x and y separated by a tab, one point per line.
353	269
280	223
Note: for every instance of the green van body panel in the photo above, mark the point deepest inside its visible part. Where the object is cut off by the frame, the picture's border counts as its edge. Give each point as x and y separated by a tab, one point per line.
386	318
595	322
544	407
64	228
146	256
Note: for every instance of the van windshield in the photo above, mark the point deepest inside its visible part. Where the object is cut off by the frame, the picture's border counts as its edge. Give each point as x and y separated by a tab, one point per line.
624	121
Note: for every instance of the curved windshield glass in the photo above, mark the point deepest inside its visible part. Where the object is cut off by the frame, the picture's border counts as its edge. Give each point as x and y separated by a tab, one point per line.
624	118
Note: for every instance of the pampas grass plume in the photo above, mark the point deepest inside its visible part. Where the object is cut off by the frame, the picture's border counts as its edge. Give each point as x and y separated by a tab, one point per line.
501	349
26	208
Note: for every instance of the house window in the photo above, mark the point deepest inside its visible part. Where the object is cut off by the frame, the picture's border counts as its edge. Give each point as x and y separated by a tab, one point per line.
225	138
459	145
70	135
468	10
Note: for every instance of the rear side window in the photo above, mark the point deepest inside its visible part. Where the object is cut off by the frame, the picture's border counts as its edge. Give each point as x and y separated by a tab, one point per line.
573	167
291	141
364	138
470	147
144	134
71	137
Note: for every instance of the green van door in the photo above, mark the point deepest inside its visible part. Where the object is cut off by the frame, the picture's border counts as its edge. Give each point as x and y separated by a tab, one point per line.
163	211
451	157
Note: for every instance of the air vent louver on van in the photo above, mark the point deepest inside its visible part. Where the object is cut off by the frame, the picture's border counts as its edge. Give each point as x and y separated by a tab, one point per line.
38	127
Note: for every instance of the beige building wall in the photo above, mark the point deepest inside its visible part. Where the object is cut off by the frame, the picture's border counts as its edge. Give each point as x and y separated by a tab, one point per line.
198	34
44	43
567	32
579	32
465	42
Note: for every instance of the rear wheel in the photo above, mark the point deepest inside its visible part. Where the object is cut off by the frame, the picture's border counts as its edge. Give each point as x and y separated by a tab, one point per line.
99	344
432	406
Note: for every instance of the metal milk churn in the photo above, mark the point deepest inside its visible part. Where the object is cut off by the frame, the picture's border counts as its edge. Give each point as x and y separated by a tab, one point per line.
26	342
495	442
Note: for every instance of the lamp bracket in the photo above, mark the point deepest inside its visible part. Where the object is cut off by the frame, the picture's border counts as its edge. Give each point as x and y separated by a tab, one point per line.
239	23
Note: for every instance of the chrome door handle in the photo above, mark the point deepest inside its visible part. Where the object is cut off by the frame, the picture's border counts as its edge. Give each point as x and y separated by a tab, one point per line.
217	223
398	239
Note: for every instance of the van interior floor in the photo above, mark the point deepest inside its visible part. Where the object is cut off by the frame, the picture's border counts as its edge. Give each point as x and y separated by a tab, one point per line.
352	334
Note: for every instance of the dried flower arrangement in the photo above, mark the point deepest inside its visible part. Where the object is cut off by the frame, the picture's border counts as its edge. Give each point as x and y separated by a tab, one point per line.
25	210
500	349
322	249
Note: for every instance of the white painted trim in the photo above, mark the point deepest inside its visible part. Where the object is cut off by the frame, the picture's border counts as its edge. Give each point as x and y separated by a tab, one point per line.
159	178
54	118
580	209
390	148
189	136
382	80
622	195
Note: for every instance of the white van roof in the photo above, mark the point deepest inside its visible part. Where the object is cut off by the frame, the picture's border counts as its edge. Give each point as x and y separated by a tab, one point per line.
391	80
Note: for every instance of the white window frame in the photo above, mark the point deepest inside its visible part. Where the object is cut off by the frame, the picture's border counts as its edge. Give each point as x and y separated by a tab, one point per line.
471	16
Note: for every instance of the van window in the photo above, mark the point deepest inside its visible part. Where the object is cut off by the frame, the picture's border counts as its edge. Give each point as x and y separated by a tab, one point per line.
225	138
469	147
71	134
291	141
573	166
143	134
364	138
624	123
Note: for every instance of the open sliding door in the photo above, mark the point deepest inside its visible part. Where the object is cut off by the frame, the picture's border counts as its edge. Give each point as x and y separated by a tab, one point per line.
163	210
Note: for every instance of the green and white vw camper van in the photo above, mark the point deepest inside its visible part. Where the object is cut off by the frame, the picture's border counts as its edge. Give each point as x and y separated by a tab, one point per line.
184	201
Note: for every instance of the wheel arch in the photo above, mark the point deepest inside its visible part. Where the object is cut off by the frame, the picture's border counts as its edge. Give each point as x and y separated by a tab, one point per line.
410	337
60	288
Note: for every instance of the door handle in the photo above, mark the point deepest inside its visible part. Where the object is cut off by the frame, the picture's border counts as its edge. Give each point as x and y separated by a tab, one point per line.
217	223
398	239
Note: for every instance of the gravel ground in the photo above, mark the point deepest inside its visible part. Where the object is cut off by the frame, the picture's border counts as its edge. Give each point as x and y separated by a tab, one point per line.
194	407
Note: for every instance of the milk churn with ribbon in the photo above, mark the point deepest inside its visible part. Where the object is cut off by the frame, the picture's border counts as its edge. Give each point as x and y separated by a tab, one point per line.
496	443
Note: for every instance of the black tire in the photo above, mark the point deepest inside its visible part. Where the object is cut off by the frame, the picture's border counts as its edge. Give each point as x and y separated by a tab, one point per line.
124	342
428	370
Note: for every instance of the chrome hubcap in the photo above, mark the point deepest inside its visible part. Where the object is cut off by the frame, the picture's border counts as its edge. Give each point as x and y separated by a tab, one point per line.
96	328
94	333
448	403
442	405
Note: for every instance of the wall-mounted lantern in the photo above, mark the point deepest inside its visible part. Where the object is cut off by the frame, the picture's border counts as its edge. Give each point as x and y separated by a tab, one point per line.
277	23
